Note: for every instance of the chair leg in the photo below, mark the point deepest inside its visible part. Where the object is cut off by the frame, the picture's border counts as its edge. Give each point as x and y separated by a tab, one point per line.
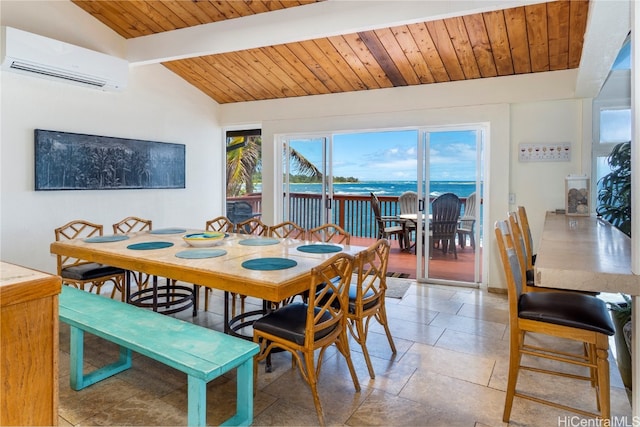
515	344
343	347
360	336
206	298
313	384
602	361
381	317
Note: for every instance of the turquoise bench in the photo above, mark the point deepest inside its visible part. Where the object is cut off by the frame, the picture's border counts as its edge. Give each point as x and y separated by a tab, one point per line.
201	353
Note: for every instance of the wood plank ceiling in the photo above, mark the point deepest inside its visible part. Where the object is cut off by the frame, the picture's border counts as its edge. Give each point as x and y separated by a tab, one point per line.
528	39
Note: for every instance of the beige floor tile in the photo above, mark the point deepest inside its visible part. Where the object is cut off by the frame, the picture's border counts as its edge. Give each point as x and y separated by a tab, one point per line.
449	370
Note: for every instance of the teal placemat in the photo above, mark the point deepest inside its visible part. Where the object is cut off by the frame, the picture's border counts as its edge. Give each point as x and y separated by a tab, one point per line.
319	249
168	231
104	239
201	253
267	264
149	245
259	242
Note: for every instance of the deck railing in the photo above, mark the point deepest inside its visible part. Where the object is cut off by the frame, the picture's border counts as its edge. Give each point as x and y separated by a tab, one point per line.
351	212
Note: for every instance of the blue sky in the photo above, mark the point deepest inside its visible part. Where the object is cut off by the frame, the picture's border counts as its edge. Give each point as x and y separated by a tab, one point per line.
392	156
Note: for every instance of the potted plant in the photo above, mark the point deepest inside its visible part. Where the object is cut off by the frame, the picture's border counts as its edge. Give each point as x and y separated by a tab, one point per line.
621	315
614	205
614	189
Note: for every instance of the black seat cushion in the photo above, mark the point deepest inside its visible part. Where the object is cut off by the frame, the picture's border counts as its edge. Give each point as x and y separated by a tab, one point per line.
566	309
90	271
289	322
353	289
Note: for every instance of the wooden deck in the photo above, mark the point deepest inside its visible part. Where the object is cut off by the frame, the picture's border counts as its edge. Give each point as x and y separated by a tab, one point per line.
442	266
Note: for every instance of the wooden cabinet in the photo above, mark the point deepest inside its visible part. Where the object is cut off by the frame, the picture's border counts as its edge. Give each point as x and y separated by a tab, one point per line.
28	346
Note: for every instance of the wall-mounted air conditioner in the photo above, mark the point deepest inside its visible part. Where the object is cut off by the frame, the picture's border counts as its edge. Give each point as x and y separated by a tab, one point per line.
39	56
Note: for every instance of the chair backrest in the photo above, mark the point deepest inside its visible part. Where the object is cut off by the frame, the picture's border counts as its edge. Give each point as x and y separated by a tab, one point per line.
289	230
329	233
408	202
371	265
511	266
526	234
131	224
445	211
328	299
75	230
518	241
221	223
252	226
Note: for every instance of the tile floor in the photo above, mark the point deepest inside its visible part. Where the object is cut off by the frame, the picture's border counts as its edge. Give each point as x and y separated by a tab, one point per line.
450	370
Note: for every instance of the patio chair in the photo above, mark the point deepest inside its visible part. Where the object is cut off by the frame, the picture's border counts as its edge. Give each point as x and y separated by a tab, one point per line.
408	204
240	211
466	226
388	226
576	317
81	273
302	328
445	211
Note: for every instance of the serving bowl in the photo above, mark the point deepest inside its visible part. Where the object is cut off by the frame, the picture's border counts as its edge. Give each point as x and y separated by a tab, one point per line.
204	239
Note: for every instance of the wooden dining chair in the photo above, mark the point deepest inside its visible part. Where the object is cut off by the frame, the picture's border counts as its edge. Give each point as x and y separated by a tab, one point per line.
82	274
132	224
252	226
367	296
304	329
562	315
288	230
329	233
523	220
221	223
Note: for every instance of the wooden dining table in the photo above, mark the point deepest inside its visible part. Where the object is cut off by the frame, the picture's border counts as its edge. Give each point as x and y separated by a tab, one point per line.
174	258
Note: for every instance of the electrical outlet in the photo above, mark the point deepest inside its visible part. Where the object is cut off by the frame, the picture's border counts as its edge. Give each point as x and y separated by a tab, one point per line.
512	198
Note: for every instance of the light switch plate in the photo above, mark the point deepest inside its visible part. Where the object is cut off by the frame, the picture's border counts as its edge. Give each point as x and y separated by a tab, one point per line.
556	152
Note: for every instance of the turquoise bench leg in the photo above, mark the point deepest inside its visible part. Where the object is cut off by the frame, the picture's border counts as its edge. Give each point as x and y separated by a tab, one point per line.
244	396
76	349
197	401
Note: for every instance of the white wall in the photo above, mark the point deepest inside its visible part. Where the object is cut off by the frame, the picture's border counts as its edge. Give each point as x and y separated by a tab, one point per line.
513	107
157	106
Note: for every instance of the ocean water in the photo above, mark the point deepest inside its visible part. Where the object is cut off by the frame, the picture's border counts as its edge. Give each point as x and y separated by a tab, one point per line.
390	188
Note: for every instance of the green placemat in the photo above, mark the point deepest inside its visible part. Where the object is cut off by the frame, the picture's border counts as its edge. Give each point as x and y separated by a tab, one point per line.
259	242
149	245
104	239
268	264
201	253
319	249
168	231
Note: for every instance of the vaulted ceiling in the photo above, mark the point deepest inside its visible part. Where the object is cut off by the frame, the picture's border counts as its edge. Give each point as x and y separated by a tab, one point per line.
534	37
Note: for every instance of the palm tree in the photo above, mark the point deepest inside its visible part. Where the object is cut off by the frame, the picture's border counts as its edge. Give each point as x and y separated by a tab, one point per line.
244	163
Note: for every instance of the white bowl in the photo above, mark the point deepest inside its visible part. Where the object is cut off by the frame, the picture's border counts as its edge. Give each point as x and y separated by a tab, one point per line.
204	239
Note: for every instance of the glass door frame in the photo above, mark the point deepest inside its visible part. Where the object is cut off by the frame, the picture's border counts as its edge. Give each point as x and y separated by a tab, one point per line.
423	178
326	140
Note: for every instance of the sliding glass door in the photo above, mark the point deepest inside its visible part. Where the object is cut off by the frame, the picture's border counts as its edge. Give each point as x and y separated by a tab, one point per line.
307	180
450	245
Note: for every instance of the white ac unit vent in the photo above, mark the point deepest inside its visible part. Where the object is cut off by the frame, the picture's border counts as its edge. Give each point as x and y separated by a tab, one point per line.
39	56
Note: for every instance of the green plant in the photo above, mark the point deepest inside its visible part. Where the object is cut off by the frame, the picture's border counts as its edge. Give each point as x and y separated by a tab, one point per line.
614	189
621	314
622	310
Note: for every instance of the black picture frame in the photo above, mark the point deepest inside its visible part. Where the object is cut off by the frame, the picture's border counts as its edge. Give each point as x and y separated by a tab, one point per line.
73	161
